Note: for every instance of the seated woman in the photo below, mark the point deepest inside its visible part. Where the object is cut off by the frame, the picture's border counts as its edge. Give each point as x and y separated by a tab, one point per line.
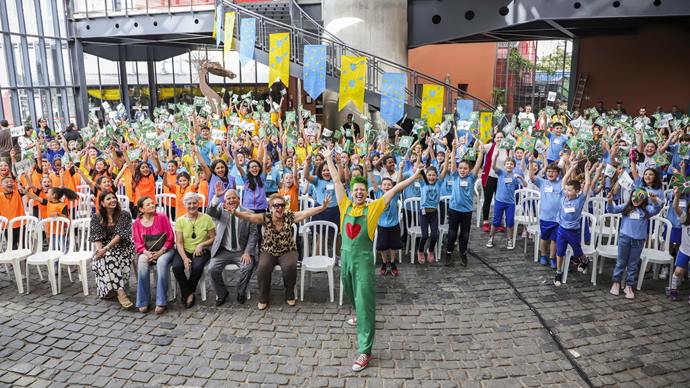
194	234
278	246
153	241
111	234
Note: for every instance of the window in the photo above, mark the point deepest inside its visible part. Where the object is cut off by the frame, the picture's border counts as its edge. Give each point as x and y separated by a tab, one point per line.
463	87
47	16
12	15
4	79
38	70
67	63
8	100
53	62
30	23
22	76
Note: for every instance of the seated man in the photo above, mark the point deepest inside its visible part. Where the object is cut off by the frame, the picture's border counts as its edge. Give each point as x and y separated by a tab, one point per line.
229	248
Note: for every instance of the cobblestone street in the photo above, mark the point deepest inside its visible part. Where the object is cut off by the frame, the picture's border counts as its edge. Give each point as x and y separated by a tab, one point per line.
436	326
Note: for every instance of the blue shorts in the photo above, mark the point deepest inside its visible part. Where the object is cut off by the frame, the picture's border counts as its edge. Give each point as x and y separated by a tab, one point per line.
499	209
676	234
568	237
548	230
682	260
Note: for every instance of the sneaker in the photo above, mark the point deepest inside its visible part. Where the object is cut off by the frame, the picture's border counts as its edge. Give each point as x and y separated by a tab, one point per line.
558	280
673	295
500	229
664	273
629	293
486	228
421	258
510	245
361	362
490	243
394	271
582	267
544	261
352	321
448	259
553	263
463	259
383	270
615	289
430	258
524	233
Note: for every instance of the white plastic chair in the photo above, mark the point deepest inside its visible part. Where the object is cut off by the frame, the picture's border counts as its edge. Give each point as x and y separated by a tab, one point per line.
240	192
164	204
81	207
55	230
414	230
656	250
84	189
526	212
124	201
588	249
159	187
79	253
607	229
305	202
319	253
3	241
25	246
479	193
202	203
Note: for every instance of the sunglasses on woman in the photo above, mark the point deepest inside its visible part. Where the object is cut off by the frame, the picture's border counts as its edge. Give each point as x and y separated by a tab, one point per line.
278	205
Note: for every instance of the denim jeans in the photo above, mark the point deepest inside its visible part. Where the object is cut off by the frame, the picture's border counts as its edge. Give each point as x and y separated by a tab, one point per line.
163	278
629	251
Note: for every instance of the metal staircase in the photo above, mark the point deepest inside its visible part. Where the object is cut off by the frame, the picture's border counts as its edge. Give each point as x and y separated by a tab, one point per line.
304	30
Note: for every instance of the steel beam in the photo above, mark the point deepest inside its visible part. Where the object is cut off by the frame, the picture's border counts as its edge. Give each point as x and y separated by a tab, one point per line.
200	22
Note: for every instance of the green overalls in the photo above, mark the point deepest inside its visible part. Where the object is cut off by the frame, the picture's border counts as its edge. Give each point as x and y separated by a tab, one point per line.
357	276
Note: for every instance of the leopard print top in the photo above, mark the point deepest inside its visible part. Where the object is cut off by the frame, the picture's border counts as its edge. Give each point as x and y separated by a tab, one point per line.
277	242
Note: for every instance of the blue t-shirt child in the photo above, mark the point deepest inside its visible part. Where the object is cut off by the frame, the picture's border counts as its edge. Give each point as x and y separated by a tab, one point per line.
507	184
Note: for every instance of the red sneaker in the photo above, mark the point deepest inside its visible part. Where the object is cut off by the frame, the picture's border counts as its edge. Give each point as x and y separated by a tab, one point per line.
486	228
383	270
500	229
361	362
394	271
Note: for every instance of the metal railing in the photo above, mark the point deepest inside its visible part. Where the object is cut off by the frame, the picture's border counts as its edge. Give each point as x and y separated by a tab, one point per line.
85	9
305	30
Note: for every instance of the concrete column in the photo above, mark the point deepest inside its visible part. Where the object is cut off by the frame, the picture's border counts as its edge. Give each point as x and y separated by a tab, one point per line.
376	27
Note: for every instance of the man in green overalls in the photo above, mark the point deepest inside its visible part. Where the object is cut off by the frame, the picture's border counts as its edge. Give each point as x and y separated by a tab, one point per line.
357	272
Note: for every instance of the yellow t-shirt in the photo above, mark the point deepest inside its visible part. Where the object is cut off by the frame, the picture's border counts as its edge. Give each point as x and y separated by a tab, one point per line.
300	154
200	228
376	208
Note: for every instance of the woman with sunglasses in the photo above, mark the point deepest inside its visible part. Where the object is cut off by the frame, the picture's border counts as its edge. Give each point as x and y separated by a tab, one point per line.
278	246
194	234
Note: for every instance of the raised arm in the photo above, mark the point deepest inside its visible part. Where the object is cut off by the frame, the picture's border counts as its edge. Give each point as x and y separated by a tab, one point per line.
400	186
676	202
202	163
312	211
254	218
340	192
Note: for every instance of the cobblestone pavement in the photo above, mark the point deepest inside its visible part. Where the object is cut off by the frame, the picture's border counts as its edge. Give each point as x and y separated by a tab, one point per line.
435	327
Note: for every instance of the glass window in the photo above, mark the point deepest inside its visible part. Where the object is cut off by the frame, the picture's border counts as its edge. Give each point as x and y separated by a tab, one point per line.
67	63
109	72
47	16
131	73
4	79
139	95
12	15
42	103
164	71
7	102
216	56
56	100
71	105
61	16
181	65
36	63
53	65
143	73
30	17
24	105
22	79
91	69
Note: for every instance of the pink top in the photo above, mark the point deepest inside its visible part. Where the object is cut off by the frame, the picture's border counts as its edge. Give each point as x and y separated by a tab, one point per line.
161	224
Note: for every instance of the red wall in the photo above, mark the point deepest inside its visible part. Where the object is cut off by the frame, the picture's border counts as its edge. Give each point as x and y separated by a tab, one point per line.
467	63
650	68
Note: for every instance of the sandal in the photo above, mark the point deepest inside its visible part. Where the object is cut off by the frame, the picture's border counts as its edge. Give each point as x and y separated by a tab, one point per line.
144	309
124	301
160	309
291	302
262	306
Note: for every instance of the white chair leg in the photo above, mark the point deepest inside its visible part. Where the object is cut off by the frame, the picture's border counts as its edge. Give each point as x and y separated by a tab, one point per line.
51	277
59	277
331	283
69	274
656	271
566	267
643	269
595	261
27	277
413	252
301	284
40	275
16	266
84	278
341	293
7	269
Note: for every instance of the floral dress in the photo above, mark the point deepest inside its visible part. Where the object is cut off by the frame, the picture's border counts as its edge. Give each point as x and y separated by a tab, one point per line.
112	271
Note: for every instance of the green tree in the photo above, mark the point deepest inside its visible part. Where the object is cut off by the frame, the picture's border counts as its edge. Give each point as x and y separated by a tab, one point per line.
554	62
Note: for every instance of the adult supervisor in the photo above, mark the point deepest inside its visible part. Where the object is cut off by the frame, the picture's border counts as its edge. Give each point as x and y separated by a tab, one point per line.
357	226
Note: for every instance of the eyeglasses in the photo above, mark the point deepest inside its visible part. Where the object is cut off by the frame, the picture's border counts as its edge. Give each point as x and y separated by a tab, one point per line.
278	205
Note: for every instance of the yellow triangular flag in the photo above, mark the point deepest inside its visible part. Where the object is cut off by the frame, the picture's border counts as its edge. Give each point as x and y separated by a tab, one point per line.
353	73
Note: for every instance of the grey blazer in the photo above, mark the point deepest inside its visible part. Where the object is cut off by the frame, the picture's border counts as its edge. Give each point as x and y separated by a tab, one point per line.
248	233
